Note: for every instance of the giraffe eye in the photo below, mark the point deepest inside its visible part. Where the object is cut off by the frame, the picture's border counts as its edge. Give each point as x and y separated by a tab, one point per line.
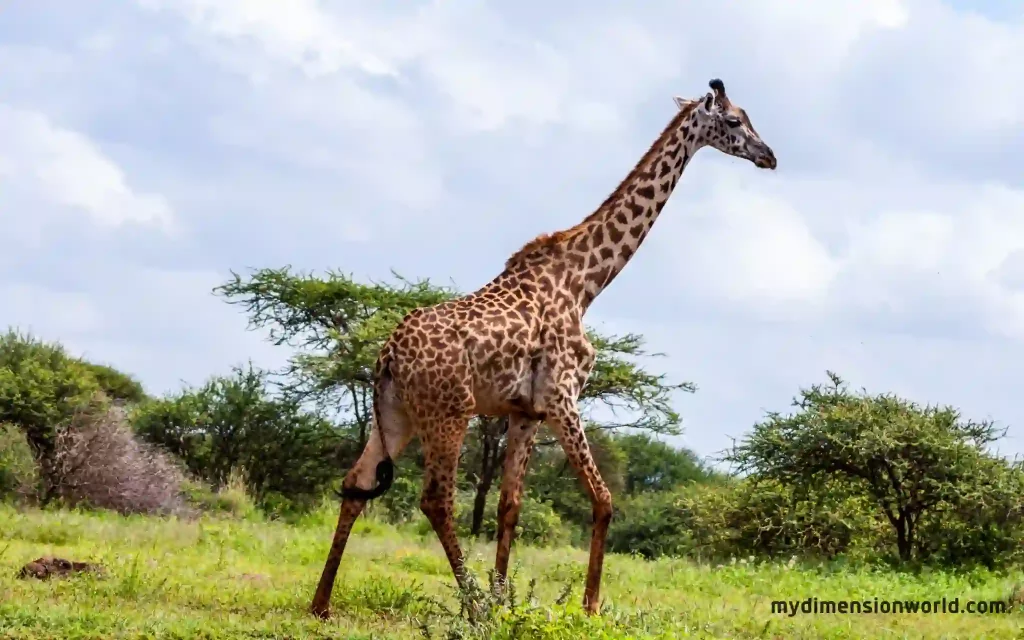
732	121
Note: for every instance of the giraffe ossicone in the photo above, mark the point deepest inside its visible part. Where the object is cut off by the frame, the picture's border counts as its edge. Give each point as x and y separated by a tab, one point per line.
517	347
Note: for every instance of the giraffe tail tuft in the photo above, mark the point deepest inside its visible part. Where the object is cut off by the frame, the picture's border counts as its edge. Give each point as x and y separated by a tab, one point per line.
385	476
385	472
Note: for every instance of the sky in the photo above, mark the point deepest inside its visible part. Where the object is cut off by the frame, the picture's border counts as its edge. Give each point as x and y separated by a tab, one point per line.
147	148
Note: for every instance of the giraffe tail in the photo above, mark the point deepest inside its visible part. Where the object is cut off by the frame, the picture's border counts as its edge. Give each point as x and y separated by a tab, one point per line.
385	472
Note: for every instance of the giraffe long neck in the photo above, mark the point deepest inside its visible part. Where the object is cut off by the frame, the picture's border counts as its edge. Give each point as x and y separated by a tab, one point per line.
608	238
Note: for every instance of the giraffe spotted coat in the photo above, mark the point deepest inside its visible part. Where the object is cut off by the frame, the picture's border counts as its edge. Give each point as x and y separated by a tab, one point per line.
517	347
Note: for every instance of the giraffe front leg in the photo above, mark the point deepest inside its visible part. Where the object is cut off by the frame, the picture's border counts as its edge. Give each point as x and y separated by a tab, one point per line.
519	446
565	420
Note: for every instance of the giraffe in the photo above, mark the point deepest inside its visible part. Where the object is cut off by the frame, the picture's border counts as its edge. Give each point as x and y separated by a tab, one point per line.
517	347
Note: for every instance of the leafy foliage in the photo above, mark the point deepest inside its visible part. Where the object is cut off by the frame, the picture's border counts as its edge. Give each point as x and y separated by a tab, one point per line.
338	326
117	385
539	524
985	526
41	389
18	469
652	465
742	519
911	461
288	456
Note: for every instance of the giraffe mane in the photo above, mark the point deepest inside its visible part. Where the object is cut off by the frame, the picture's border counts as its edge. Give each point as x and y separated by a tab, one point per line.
542	241
548	240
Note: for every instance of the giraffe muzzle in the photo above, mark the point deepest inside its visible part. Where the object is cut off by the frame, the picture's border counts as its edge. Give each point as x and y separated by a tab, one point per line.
766	160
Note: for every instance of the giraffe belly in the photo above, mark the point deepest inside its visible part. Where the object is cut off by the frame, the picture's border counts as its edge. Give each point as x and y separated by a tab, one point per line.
510	391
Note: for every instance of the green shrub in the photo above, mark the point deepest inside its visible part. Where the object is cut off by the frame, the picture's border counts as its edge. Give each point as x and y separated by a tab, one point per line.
769	519
653	465
231	501
18	473
538	525
740	519
233	423
41	389
115	384
985	529
401	503
913	463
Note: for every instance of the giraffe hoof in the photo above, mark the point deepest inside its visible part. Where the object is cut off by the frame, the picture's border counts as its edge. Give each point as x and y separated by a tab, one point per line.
322	612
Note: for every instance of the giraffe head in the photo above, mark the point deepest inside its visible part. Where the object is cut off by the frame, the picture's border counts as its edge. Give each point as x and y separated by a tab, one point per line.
721	124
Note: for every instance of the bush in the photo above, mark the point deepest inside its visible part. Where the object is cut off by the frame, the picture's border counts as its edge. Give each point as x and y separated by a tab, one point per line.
652	465
538	525
99	463
18	474
653	525
117	386
41	389
911	462
986	530
741	519
231	501
231	424
769	519
401	503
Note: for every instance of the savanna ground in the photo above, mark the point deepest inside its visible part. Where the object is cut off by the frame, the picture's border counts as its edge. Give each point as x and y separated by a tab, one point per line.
249	578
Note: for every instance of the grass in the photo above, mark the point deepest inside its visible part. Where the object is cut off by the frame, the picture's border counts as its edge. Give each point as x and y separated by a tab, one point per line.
231	578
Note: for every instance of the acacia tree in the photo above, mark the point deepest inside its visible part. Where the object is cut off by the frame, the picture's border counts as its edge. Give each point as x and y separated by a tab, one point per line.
908	459
338	325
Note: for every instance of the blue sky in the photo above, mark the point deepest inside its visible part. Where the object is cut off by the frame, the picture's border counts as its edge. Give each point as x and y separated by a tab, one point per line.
148	147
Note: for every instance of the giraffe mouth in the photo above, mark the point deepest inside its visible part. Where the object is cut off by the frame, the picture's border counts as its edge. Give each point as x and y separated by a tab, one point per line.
766	161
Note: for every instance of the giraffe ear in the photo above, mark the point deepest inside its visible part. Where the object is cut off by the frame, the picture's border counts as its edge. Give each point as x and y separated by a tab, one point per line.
682	103
708	103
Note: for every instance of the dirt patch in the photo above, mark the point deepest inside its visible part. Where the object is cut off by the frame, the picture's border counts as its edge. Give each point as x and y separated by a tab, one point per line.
1016	598
48	567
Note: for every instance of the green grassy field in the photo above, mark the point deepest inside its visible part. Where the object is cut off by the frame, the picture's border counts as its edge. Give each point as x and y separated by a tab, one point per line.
218	578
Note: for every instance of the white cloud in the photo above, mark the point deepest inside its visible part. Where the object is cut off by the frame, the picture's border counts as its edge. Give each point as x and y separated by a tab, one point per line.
171	326
945	255
748	247
336	126
488	71
757	243
65	168
301	32
48	312
163	324
884	246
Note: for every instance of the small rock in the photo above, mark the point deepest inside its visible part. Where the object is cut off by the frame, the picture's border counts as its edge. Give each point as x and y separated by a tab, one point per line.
46	567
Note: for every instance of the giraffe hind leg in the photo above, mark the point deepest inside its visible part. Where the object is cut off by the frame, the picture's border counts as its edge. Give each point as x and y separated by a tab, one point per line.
364	472
441	455
521	434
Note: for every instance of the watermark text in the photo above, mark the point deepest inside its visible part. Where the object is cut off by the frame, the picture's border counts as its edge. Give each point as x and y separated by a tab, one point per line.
811	606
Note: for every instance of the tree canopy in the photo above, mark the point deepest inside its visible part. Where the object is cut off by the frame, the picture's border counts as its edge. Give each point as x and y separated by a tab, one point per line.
338	325
909	459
